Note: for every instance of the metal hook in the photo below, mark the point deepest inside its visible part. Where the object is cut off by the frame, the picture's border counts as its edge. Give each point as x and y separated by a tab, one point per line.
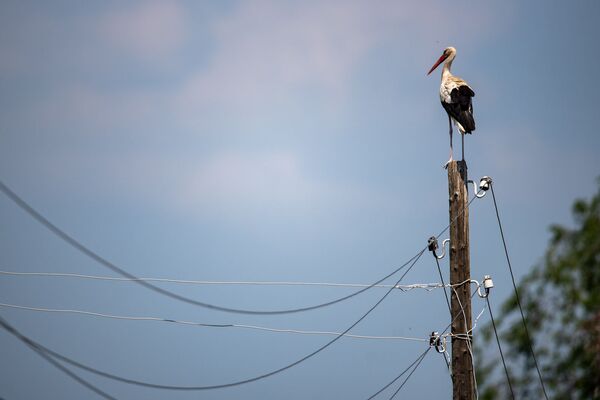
432	245
436	341
484	186
444	243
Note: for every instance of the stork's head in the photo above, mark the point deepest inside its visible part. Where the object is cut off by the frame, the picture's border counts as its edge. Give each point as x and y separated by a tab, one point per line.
448	54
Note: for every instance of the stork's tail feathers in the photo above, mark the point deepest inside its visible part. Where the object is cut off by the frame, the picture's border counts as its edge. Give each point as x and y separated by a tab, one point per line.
467	121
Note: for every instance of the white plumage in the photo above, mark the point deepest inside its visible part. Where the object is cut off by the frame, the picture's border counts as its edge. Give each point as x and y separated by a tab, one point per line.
455	96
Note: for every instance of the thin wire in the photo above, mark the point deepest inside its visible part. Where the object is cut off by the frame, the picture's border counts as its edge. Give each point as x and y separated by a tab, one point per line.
451	285
159	319
459	336
408	377
221	386
455	317
443	334
102	261
446	357
443	230
468	337
400	375
449	308
443	283
455	284
474	325
426	286
529	342
500	348
33	346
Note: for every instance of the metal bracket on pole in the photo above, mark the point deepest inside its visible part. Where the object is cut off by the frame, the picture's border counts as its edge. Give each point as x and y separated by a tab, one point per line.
484	186
432	245
436	341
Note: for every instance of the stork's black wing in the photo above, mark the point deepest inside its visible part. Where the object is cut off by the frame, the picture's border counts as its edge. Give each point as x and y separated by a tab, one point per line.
461	107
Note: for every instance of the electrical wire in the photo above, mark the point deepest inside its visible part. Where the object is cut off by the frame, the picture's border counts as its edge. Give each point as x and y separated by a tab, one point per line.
86	251
174	321
446	358
469	333
231	384
443	283
476	320
437	262
468	338
33	346
404	288
414	362
529	341
104	262
452	286
408	377
400	375
500	348
443	230
436	259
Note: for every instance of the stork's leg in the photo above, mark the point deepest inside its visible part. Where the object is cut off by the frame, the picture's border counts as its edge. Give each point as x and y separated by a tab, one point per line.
463	145
450	125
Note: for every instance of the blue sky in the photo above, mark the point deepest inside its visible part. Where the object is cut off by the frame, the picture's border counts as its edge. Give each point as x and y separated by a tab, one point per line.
273	140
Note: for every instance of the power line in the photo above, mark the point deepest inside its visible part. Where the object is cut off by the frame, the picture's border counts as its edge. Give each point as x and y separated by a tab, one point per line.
102	261
174	321
221	386
400	375
414	362
468	337
447	362
500	348
404	288
86	251
33	346
529	342
437	262
409	375
447	327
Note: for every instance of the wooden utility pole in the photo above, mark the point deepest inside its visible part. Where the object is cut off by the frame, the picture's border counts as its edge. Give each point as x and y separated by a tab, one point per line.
463	384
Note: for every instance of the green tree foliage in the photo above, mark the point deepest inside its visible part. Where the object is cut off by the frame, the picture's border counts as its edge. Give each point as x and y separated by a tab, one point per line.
561	301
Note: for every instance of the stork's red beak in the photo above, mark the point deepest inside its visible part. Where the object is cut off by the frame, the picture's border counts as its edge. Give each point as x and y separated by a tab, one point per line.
438	62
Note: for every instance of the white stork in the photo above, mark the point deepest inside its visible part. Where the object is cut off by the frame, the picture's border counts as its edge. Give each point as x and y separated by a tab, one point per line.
455	95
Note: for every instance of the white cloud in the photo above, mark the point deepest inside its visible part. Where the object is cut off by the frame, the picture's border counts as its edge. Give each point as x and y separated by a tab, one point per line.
91	112
530	162
263	52
226	185
265	49
152	30
231	180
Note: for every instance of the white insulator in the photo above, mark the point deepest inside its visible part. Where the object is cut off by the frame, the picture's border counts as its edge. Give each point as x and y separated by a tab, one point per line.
484	183
488	283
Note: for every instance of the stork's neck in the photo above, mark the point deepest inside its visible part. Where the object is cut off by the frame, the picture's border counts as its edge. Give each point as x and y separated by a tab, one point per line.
447	65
